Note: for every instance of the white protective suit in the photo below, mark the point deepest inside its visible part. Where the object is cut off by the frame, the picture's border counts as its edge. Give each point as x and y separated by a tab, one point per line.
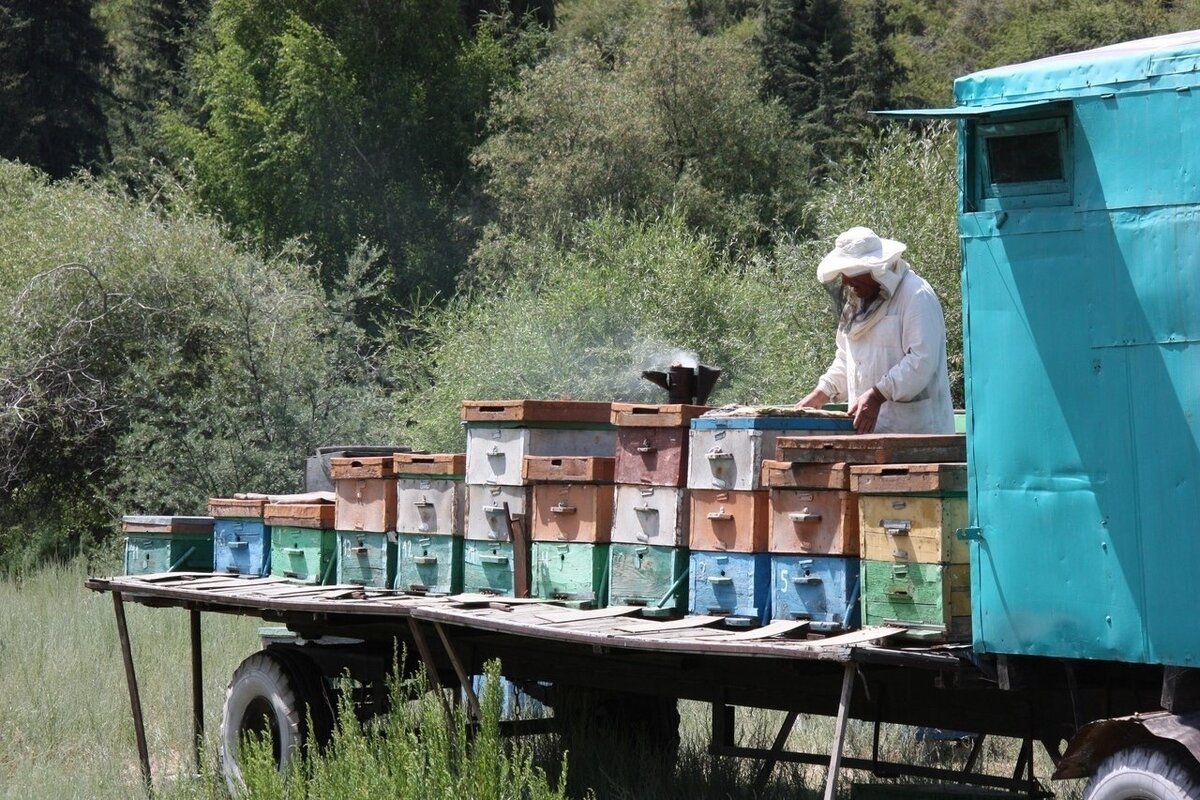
903	353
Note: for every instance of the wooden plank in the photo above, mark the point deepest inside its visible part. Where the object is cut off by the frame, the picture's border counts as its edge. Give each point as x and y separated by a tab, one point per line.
939	478
875	448
533	411
767	631
857	637
697	621
166	524
802	475
568	469
599	613
643	415
443	464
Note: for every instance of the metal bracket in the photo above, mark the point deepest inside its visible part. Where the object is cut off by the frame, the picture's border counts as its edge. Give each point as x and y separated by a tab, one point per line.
969	534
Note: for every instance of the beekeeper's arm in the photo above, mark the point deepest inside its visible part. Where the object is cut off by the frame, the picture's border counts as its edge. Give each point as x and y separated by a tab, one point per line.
832	385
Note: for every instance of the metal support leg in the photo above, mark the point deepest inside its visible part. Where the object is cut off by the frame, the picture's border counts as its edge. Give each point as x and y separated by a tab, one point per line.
135	700
430	668
197	689
839	733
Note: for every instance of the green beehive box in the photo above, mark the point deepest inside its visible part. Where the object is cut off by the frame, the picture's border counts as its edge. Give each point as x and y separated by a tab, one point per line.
306	555
932	600
149	552
488	567
648	575
432	564
572	571
366	558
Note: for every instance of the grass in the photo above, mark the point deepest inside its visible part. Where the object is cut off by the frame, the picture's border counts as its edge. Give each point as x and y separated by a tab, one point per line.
67	731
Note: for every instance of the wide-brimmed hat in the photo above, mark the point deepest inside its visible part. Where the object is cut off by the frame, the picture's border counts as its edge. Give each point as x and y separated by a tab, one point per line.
856	252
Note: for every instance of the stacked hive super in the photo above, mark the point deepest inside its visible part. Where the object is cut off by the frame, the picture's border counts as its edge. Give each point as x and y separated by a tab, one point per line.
241	540
365	519
814	544
648	558
430	505
915	570
905	543
500	434
730	565
167	544
572	519
303	541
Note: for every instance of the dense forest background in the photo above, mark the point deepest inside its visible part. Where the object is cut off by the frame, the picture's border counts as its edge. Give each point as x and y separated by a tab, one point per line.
234	230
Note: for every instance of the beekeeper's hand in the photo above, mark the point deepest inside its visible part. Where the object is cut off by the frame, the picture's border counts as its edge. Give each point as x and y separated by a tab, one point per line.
865	410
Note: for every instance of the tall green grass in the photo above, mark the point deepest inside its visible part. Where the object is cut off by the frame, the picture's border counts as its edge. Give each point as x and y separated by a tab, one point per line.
66	731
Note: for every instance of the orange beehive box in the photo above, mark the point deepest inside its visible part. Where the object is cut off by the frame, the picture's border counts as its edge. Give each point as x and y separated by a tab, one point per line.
735	521
227	507
300	515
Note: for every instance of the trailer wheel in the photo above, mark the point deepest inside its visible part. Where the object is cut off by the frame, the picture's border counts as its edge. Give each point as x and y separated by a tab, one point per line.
273	695
1145	772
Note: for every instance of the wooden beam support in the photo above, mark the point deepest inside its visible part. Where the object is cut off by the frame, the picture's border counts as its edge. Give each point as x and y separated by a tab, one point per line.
430	668
197	689
839	732
764	772
135	699
463	677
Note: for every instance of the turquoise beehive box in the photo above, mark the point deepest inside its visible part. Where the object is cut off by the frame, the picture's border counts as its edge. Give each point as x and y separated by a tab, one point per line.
1080	229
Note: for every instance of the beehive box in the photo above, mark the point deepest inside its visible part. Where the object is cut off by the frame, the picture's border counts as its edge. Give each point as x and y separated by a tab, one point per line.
811	509
648	575
421	465
567	469
874	448
575	572
914	513
486	519
488	567
821	589
731	584
167	544
531	412
655	515
236	508
728	520
572	512
430	505
429	564
241	546
652	415
932	601
728	452
366	493
305	555
652	442
367	558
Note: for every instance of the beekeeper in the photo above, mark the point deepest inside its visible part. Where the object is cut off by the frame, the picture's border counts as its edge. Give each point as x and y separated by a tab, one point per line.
890	366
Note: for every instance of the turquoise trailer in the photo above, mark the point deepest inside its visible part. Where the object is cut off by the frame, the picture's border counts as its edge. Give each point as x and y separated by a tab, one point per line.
1080	179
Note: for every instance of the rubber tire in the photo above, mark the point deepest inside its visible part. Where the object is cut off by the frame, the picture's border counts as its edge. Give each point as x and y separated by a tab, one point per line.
263	694
1145	772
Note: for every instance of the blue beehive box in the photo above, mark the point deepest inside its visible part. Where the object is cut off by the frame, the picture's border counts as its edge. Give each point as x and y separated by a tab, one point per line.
241	540
1081	255
735	585
820	589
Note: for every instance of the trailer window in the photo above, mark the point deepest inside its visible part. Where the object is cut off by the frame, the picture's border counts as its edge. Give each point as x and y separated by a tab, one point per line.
1023	164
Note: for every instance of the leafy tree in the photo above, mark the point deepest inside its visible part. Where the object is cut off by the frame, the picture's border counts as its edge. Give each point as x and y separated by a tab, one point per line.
146	364
670	123
152	40
339	121
51	66
805	48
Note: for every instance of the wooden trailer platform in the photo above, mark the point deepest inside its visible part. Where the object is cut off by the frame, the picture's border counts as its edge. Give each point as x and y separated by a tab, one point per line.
868	674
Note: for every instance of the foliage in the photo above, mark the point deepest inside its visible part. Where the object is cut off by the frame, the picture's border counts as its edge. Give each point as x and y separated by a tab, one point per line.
341	121
52	58
667	122
146	364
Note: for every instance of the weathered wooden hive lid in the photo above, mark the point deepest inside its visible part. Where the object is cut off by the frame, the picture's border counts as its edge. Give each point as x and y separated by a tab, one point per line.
166	524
